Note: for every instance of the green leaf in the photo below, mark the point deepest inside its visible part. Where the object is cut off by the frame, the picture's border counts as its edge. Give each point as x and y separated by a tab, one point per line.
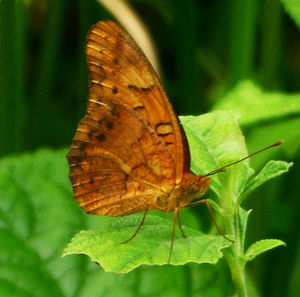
215	140
150	246
256	105
292	7
267	117
23	269
271	170
261	246
37	217
266	134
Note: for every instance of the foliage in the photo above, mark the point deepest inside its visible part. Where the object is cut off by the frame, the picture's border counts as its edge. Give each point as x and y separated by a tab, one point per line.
150	247
217	141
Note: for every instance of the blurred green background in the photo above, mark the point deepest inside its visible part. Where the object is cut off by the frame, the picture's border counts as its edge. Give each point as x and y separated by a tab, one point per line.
236	55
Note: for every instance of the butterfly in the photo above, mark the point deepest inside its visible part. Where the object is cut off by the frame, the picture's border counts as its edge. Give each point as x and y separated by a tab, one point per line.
130	153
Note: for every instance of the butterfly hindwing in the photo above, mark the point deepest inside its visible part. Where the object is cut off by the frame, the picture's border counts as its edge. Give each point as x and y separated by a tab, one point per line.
117	161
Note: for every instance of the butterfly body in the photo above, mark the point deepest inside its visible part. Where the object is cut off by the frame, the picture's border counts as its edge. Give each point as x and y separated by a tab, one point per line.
192	186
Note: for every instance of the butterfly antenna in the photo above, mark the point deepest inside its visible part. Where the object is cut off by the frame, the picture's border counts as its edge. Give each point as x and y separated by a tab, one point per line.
222	169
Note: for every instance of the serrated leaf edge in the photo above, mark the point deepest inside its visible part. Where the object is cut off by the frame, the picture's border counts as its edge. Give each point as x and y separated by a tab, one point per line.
250	253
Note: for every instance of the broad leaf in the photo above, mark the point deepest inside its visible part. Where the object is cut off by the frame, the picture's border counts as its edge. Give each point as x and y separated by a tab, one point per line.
37	217
215	140
150	246
256	105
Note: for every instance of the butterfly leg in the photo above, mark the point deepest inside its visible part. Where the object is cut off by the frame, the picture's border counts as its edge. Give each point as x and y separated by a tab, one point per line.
180	226
139	227
176	211
211	215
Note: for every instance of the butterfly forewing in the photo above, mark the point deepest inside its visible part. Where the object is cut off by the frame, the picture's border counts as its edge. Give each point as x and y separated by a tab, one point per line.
120	72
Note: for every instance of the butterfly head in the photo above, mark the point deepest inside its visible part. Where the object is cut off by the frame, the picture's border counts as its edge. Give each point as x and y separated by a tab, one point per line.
196	186
191	186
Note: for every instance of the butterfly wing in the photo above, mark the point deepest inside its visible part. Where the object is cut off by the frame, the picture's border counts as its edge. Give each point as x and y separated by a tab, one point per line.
126	74
129	148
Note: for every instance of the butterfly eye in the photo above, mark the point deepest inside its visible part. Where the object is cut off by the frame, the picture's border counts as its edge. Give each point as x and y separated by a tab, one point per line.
198	185
159	200
194	186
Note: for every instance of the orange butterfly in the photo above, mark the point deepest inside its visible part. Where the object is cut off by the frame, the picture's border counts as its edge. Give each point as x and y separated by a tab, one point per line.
130	153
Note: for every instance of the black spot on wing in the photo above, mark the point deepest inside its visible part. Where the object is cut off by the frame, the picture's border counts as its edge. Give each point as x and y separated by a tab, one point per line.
132	87
109	125
100	121
143	90
101	137
139	107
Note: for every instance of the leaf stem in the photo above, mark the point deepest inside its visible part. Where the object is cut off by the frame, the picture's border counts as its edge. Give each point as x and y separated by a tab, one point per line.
234	254
237	272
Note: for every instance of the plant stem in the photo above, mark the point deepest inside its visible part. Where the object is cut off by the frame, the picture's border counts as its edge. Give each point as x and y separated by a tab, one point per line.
234	254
